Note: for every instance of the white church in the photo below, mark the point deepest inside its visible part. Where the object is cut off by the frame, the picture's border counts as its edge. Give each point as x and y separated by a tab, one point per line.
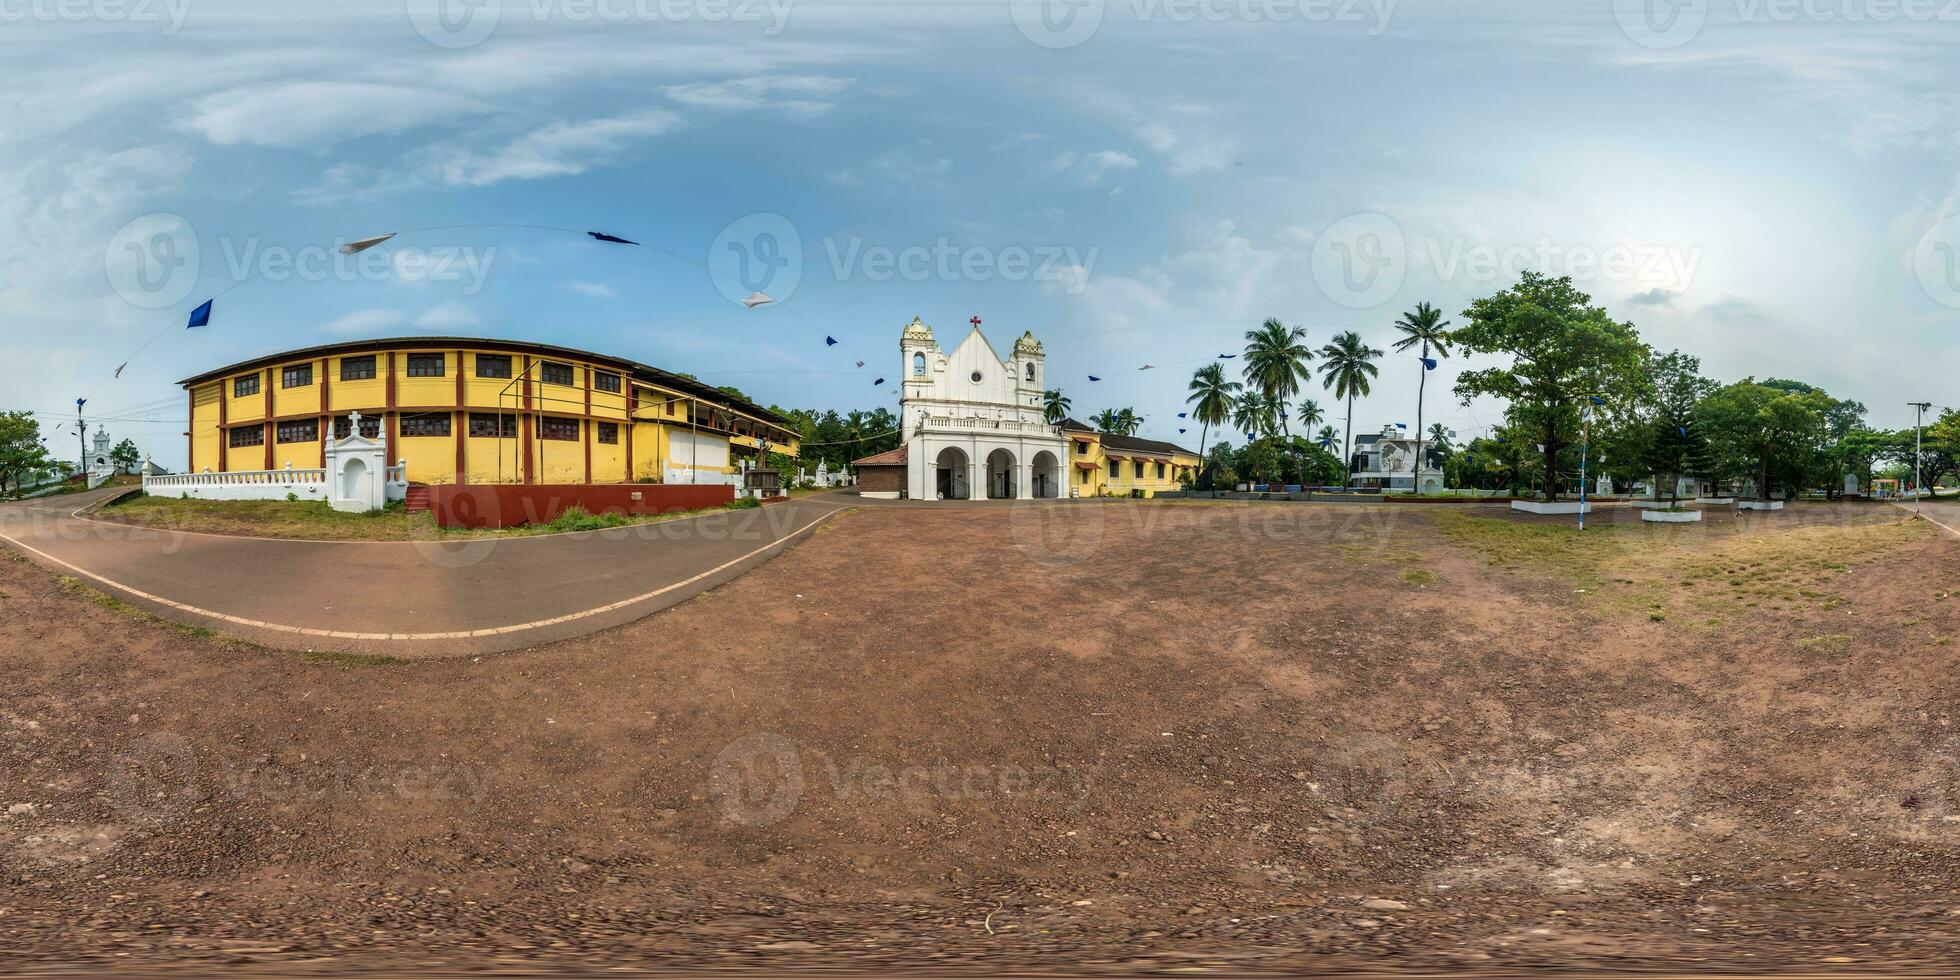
971	424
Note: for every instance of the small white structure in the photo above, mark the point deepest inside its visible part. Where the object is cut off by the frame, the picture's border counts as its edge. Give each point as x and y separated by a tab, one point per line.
356	469
1558	507
1760	505
1671	516
973	422
1387	461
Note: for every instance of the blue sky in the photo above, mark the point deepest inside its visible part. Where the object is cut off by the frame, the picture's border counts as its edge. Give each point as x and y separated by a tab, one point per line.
1763	184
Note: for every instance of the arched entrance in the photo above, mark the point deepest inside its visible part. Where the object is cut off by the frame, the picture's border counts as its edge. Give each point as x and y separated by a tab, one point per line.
949	480
1000	475
1047	475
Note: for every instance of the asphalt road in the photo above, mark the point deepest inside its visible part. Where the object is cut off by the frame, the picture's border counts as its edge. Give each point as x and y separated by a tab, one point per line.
413	599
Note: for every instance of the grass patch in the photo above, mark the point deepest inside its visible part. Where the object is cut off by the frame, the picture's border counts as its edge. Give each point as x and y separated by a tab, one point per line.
1418	576
88	593
316	521
350	659
1828	643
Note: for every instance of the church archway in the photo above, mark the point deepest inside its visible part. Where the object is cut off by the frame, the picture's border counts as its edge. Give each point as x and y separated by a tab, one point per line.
949	477
1000	475
1047	475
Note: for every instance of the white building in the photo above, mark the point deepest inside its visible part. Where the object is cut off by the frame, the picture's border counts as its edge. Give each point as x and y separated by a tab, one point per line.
1386	461
972	422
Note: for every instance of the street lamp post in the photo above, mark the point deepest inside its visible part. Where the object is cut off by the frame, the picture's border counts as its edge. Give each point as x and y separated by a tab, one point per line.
1918	451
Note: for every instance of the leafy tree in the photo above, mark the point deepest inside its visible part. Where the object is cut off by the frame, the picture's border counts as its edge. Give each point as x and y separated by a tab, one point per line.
126	456
1276	359
1425	326
1564	352
1766	431
1940	448
1677	448
1346	368
22	453
1054	406
1211	400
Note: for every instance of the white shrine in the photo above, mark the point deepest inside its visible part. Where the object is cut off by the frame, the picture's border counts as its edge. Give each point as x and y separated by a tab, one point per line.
972	421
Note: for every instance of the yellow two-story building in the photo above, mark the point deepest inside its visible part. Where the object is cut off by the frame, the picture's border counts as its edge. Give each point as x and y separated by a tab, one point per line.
469	410
1102	464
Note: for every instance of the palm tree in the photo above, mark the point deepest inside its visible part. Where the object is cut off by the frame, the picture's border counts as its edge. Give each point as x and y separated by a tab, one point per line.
1328	437
1054	406
1253	415
1346	367
1426	326
1104	421
1310	414
1127	422
1211	400
1276	358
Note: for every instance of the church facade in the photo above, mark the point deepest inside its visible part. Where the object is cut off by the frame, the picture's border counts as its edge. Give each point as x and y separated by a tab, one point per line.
971	424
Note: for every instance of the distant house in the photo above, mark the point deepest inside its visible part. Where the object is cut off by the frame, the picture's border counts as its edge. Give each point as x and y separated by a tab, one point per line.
1385	461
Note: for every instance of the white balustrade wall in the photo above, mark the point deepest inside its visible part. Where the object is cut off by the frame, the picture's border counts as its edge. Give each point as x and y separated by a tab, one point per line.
306	484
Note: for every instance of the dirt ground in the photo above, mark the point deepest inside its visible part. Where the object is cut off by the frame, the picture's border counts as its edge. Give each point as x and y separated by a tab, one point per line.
1094	738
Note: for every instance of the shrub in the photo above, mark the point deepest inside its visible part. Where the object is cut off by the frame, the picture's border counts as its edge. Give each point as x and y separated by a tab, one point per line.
744	503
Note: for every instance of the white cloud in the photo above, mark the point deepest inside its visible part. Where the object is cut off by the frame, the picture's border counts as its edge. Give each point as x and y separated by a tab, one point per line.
448	316
362	322
1091	168
904	164
596	290
311	114
1184	133
797	96
561	149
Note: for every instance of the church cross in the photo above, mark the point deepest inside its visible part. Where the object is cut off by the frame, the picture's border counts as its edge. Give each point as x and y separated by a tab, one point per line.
976	322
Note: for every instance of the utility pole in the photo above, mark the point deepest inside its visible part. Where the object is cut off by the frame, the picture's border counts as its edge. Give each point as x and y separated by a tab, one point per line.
1918	452
81	433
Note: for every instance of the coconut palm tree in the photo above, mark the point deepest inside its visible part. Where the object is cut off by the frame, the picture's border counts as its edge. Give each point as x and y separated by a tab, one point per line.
1310	414
1211	400
1054	406
1346	367
1327	437
1253	415
1104	421
1127	422
1276	358
1424	325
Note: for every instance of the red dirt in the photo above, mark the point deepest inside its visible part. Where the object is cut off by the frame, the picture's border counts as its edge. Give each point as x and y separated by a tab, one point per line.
1093	738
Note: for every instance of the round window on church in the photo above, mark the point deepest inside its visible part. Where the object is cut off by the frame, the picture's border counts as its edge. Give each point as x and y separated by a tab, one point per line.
976	377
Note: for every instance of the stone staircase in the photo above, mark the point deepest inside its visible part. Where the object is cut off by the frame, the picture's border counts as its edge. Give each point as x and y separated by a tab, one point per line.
418	498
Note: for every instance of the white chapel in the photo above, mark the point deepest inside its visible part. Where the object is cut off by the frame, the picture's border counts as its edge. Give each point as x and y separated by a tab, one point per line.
972	422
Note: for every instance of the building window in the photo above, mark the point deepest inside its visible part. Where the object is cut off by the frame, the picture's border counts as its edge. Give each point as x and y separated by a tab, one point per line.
918	365
975	376
1085	475
605	381
250	435
426	424
1029	367
425	366
300	430
484	425
249	385
1081	448
1160	471
1115	469
297	376
493	365
554	373
608	433
357	368
1138	468
563	430
370	426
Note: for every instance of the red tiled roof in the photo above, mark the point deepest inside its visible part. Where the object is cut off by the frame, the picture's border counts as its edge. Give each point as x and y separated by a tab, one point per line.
894	457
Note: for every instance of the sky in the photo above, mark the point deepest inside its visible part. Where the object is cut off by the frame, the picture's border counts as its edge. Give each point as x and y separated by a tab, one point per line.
1768	184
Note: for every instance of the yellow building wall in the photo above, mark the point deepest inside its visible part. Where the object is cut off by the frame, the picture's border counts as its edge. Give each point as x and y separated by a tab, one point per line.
367	394
303	400
247	408
1098	482
423	392
303	455
431	459
205	436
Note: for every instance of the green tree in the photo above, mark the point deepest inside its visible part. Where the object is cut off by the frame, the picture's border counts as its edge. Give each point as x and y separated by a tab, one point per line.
1054	406
1327	437
1423	325
22	453
1346	368
1276	359
1767	432
126	456
1252	414
1310	414
1211	400
1563	351
1676	448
